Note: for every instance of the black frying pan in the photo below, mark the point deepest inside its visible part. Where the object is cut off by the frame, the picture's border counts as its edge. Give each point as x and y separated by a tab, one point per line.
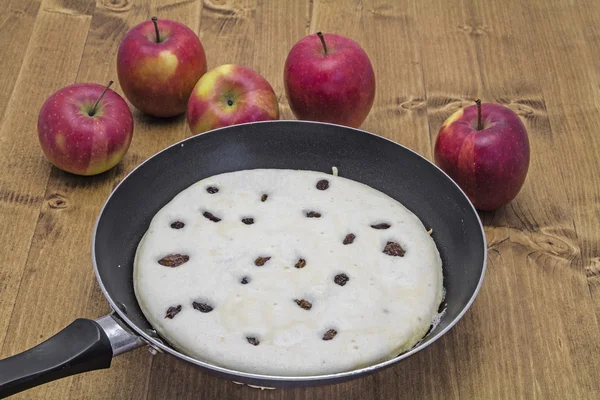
380	163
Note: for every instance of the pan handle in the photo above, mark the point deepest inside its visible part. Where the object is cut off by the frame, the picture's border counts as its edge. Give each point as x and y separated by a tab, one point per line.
85	345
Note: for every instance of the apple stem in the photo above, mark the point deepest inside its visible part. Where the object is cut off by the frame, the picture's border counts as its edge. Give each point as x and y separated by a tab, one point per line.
479	124
320	35
93	110
155	20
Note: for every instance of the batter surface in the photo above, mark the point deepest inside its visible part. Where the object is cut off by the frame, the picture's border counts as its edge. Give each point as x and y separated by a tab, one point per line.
284	272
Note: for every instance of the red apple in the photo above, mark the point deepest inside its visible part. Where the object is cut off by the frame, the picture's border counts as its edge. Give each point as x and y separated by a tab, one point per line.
85	128
329	78
485	149
229	95
158	64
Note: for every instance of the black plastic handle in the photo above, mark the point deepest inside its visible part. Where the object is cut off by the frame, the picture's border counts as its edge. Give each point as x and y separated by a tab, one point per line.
80	347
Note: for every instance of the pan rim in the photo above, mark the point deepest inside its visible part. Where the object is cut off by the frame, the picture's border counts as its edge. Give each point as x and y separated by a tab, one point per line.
347	375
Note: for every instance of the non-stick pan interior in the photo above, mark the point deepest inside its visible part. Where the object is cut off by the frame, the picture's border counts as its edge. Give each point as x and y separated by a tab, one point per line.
366	158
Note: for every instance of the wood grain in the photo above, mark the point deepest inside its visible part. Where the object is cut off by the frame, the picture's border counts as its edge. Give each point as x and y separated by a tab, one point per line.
533	331
47	66
538	244
573	112
16	24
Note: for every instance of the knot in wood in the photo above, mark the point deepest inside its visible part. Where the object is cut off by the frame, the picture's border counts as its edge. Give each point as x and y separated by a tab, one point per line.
57	201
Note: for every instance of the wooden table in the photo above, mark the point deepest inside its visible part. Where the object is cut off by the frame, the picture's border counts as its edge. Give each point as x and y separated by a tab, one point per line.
533	331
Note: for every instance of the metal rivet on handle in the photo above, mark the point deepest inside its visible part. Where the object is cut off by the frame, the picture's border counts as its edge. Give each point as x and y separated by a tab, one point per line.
121	306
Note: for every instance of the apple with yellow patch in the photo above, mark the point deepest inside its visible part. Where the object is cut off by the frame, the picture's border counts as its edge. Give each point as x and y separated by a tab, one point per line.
85	128
229	95
158	63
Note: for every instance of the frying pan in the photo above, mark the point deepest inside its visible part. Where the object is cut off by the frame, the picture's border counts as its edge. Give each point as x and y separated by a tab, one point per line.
380	163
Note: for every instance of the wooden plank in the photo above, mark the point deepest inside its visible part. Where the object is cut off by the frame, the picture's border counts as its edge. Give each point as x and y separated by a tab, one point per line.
16	24
47	65
178	380
227	32
174	379
388	33
230	33
573	112
110	23
243	32
277	29
569	47
534	275
560	248
69	227
585	119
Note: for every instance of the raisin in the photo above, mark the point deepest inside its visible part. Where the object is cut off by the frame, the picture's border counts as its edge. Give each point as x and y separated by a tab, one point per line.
313	214
393	249
177	225
263	198
341	279
202	307
442	306
260	261
173	311
212	189
428	330
381	226
301	263
248	221
349	238
244	280
210	216
330	334
323	184
252	340
307	305
174	260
